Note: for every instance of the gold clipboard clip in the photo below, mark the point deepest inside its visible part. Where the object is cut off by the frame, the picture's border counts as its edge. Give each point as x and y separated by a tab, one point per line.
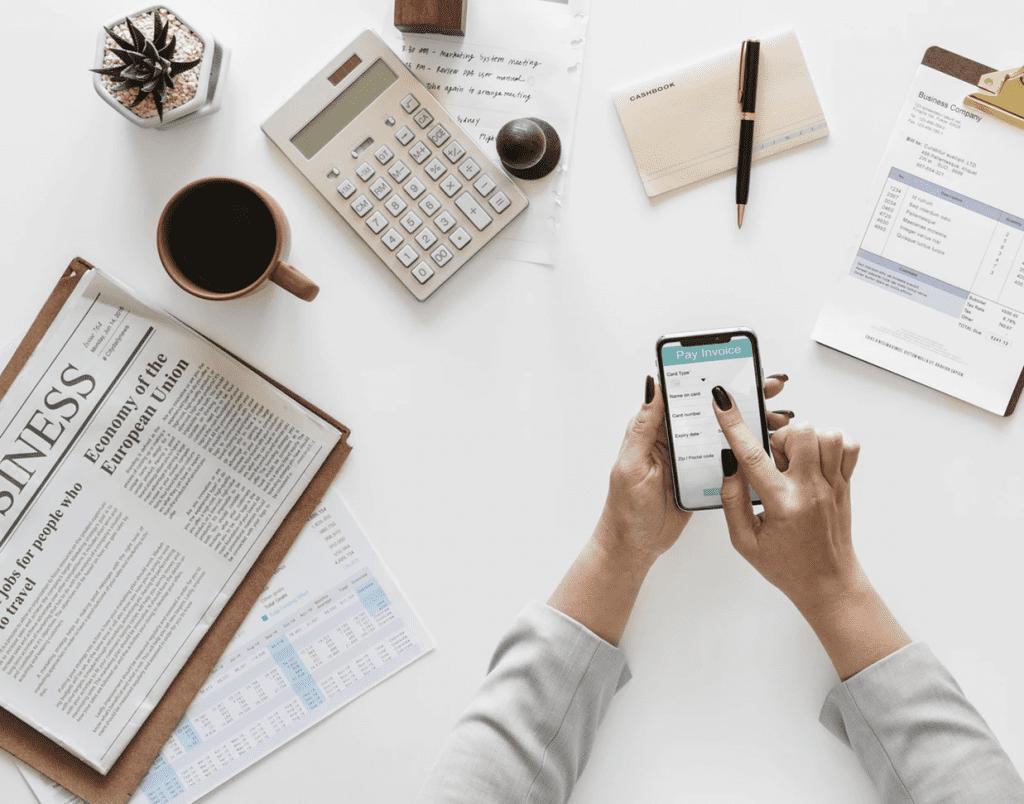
1001	95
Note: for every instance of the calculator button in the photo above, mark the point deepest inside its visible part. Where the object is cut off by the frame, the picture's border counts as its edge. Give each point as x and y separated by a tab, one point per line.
441	255
444	221
460	237
451	186
415	187
430	205
365	171
410	221
454	151
426	238
469	169
377	222
392	239
435	169
399	171
395	205
380	188
423	272
420	153
404	135
499	202
423	118
410	104
383	154
484	185
362	205
346	188
473	210
333	173
438	135
389	121
407	255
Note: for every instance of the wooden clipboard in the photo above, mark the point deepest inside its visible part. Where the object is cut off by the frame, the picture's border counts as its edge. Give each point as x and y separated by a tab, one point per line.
124	777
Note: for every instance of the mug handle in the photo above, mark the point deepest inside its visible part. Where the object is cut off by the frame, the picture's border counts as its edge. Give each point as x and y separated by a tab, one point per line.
294	281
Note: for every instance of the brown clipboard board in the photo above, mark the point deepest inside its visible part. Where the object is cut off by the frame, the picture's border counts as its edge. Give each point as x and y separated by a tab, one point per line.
124	777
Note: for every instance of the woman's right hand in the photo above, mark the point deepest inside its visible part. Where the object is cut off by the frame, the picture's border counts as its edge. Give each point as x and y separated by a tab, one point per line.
802	541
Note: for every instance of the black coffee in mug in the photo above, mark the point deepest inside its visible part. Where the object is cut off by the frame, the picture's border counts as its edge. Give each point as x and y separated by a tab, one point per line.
221	236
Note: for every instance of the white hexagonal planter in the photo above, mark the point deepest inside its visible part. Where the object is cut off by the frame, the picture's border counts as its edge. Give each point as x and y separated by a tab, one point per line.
209	85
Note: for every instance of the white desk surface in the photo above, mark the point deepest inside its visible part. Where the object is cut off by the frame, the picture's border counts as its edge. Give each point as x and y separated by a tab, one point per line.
484	421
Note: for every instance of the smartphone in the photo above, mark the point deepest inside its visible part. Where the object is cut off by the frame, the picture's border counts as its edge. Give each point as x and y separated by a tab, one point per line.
691	364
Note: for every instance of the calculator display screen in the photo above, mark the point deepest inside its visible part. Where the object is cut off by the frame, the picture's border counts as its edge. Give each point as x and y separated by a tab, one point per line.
344	109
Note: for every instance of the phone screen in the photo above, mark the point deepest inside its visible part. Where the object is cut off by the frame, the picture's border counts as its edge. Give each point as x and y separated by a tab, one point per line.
689	374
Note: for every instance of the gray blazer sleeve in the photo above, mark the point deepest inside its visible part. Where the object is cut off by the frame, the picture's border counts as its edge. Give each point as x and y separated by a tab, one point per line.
917	736
528	732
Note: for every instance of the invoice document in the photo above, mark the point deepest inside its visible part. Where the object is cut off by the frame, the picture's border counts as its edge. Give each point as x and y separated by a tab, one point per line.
934	287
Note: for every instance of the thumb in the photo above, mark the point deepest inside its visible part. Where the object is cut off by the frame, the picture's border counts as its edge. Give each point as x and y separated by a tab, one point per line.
739	513
646	426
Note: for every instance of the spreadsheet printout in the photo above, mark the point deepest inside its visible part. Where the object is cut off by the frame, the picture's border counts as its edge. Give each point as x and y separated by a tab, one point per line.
934	289
331	625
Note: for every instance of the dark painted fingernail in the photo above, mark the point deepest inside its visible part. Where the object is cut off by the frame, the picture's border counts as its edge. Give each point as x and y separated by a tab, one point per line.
729	464
789	413
783	377
649	390
721	398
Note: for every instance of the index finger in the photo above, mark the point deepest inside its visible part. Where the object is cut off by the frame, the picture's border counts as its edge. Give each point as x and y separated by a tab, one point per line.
750	453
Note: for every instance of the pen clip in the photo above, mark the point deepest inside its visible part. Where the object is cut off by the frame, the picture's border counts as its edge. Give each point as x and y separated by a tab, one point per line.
743	68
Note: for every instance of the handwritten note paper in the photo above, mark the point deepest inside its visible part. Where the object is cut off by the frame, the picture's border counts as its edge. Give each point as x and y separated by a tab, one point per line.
519	59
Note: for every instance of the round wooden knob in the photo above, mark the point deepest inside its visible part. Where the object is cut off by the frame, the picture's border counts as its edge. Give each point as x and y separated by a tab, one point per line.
529	147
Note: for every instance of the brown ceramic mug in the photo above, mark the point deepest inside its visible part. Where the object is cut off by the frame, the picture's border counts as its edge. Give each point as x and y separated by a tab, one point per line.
221	238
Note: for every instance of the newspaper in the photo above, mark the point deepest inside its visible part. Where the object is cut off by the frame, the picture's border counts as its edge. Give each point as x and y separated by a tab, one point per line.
142	471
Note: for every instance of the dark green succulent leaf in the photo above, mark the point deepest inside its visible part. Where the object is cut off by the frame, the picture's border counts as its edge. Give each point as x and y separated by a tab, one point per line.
127	56
178	67
159	30
137	72
168	50
168	81
123	43
137	36
119	88
139	98
159	107
113	72
150	50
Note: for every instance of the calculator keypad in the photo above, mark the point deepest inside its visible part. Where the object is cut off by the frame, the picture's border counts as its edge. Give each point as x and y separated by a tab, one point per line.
454	151
395	205
420	152
426	238
430	205
438	135
365	171
362	205
399	171
377	222
415	188
419	188
423	118
435	169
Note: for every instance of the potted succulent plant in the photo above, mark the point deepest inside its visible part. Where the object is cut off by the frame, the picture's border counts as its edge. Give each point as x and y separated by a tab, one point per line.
156	69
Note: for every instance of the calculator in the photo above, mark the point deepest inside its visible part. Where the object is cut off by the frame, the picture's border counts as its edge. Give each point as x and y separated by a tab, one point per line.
395	165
